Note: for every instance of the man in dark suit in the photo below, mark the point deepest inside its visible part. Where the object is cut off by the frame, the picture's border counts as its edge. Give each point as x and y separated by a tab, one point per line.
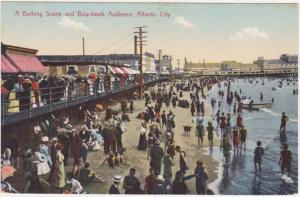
114	187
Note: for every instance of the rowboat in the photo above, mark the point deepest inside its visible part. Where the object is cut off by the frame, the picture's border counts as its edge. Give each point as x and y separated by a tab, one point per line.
257	106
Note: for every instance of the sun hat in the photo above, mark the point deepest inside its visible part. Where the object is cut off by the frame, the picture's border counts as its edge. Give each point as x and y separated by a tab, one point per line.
160	178
54	139
117	178
45	139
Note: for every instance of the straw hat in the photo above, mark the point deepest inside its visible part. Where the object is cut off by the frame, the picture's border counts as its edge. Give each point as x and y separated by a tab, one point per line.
54	139
160	178
45	139
66	120
117	178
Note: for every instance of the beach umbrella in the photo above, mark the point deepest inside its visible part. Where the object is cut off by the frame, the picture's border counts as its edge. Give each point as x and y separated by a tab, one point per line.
7	171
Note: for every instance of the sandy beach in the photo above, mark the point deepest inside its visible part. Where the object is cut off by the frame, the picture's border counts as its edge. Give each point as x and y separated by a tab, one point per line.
138	159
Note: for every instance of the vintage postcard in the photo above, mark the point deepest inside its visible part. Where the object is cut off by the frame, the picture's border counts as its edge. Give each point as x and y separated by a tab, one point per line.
149	98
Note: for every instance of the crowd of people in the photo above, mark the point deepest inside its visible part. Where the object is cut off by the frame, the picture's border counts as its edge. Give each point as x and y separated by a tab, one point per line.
61	140
25	92
157	140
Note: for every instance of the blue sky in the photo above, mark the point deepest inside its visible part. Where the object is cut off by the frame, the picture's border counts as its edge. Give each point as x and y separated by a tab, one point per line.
216	32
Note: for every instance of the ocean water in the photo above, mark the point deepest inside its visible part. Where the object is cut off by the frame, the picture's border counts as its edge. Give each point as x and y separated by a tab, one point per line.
262	125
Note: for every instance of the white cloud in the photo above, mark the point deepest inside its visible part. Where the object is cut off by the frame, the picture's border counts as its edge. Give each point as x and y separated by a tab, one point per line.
180	20
70	23
249	33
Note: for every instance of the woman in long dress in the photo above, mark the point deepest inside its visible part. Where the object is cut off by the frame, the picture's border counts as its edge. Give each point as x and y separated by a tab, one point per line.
182	163
44	150
59	171
168	163
41	163
143	140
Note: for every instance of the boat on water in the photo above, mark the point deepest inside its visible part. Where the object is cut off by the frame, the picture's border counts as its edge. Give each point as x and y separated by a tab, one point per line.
257	106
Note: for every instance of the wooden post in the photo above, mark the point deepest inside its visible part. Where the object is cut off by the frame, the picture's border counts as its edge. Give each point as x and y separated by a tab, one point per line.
141	62
135	44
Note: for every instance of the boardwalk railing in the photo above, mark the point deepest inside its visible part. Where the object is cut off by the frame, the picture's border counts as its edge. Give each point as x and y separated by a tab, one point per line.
17	106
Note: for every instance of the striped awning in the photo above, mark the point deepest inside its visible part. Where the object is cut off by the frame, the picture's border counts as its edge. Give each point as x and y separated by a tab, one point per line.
111	70
118	70
6	66
130	71
126	70
115	70
27	63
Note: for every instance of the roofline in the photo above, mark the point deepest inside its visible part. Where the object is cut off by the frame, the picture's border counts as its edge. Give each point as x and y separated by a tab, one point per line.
6	47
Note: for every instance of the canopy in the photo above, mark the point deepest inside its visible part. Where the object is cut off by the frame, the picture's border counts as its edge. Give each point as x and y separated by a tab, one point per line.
111	70
27	63
130	71
118	70
126	70
6	66
115	70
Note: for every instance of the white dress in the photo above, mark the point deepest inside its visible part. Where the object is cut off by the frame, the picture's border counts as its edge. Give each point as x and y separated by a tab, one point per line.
42	164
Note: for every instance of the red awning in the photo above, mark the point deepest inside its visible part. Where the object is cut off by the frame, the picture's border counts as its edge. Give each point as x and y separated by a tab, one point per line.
27	63
115	70
112	70
118	70
125	70
6	66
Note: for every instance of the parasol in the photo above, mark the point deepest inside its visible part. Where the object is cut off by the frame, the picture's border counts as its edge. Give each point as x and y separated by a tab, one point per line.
7	171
